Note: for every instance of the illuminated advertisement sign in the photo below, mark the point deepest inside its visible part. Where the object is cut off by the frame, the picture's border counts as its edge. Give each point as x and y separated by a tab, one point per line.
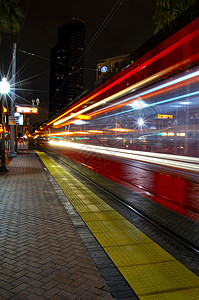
27	110
165	116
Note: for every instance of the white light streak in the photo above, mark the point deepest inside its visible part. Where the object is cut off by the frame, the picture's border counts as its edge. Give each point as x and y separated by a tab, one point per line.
131	89
167	160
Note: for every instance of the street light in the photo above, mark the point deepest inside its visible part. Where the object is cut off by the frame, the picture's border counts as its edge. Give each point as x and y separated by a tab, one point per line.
4	89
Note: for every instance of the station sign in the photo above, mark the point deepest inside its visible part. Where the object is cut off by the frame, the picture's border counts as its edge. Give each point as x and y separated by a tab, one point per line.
11	120
27	109
15	120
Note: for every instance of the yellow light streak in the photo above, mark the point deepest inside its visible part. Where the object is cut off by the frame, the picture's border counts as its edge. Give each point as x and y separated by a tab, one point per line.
60	133
121	129
81	132
83	117
95	131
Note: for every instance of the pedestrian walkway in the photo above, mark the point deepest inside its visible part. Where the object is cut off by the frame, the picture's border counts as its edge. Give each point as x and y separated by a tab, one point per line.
150	271
41	254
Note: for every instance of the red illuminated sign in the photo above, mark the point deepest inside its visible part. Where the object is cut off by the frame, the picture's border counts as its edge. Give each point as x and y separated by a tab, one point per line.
27	110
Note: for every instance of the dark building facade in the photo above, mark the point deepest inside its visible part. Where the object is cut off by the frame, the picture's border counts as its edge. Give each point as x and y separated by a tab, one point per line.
112	65
67	66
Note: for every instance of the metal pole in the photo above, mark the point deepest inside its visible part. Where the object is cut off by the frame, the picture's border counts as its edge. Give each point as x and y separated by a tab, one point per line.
3	167
12	152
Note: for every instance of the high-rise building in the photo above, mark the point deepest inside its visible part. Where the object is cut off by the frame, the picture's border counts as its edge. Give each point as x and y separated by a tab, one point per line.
67	66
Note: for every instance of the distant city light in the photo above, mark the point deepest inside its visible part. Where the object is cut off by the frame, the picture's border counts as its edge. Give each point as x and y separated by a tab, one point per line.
78	122
138	104
186	102
140	122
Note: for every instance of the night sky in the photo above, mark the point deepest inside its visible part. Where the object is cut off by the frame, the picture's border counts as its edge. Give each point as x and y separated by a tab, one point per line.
128	27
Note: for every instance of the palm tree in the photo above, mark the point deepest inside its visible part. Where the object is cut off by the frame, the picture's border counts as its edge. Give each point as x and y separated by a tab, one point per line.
10	16
168	10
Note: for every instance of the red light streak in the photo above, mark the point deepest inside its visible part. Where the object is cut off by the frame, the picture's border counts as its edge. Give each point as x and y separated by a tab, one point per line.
183	41
152	94
164	52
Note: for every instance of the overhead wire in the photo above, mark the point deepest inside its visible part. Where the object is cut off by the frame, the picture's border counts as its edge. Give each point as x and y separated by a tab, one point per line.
104	24
51	60
101	28
96	35
90	44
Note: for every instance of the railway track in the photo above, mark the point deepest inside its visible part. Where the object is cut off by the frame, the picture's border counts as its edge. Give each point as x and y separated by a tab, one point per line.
158	227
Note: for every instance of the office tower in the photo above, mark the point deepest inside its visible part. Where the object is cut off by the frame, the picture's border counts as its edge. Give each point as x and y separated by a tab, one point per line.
67	66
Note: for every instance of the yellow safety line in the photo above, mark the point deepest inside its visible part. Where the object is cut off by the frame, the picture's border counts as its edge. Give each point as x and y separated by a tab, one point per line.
151	271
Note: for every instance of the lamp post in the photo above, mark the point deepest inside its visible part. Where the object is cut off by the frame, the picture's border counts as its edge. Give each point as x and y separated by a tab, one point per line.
4	89
11	152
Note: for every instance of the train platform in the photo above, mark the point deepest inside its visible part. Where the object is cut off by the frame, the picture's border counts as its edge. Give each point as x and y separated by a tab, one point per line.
41	254
59	240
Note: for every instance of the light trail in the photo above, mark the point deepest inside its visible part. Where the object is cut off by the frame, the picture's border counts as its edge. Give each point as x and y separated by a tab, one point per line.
156	103
166	160
131	89
128	101
143	65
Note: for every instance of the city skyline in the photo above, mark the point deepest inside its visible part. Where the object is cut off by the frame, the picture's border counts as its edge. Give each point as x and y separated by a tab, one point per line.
107	35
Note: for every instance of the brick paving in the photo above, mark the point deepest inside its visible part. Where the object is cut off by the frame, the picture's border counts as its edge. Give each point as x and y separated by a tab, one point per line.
41	254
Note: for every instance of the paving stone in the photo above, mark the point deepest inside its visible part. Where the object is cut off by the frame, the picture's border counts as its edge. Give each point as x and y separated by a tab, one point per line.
42	255
19	288
20	296
5	294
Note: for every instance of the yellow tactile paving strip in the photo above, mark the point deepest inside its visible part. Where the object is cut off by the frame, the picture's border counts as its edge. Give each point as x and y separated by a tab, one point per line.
151	271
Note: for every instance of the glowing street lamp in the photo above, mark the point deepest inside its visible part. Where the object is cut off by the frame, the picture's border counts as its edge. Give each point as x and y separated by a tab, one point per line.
4	86
4	89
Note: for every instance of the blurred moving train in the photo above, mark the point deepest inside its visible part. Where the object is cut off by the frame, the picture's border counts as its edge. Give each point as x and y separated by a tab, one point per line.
141	127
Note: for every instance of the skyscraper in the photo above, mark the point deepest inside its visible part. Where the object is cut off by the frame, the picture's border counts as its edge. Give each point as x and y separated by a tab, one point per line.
67	66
